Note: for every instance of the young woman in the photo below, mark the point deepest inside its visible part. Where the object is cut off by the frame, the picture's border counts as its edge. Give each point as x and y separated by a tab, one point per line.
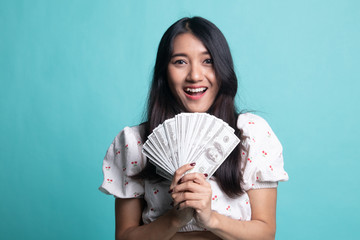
194	73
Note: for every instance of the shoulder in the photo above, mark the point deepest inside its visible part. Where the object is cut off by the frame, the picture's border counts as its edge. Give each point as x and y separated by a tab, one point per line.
250	123
256	130
130	135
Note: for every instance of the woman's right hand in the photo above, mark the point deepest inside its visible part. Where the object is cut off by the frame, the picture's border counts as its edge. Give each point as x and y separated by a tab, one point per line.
182	216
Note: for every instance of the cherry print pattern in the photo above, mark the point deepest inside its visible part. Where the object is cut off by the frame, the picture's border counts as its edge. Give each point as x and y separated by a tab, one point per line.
118	152
126	147
134	163
251	123
271	168
155	190
215	198
107	168
138	143
136	194
250	159
264	153
109	180
228	208
268	134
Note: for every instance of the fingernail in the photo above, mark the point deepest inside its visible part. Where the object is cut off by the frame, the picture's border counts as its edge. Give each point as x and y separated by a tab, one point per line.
206	175
170	191
192	164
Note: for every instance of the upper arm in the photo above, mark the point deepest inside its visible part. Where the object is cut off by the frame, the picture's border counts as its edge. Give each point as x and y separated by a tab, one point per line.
263	206
128	214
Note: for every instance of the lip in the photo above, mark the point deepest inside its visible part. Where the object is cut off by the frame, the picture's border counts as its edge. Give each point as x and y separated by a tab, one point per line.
196	97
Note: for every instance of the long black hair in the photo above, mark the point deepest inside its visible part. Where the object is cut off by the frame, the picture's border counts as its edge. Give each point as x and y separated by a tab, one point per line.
163	105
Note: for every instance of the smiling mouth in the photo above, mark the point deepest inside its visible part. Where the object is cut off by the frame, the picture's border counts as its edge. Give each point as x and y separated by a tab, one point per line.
195	91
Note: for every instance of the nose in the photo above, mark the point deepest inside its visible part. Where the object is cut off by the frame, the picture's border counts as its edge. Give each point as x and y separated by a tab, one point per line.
196	73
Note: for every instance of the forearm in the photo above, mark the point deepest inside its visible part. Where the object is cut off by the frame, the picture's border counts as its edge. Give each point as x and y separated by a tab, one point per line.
165	227
229	229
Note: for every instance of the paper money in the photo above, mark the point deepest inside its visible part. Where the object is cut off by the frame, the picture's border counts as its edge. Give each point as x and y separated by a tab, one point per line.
190	137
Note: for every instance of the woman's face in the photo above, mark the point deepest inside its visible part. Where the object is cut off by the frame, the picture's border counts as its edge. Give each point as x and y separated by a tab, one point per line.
191	74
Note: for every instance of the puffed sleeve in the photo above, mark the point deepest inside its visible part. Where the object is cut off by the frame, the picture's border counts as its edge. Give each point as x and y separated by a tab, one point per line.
261	155
122	160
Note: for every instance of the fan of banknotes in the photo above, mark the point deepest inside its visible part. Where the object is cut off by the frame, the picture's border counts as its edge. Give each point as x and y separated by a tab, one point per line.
187	138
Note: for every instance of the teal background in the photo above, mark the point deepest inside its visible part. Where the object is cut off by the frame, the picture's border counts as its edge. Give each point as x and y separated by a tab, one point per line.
74	73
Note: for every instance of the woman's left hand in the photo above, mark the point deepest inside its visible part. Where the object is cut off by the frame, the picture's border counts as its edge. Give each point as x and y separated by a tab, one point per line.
193	190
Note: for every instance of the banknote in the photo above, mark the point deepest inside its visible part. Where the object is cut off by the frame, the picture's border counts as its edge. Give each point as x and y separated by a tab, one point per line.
190	137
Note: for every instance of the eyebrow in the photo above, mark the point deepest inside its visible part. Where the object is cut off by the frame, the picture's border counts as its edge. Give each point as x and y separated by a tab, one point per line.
185	55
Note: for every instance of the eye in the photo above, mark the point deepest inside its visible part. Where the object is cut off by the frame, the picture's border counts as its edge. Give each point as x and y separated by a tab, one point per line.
179	62
209	61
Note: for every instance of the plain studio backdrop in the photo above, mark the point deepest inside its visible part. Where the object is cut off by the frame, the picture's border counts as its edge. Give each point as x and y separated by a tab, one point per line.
74	73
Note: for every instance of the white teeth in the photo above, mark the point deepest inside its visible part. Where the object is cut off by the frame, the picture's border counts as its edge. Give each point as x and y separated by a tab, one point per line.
194	90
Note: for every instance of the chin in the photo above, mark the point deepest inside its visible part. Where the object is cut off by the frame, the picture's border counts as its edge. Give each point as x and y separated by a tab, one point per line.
200	110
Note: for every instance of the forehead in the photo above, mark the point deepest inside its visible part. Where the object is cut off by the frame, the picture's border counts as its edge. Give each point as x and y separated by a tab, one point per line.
188	43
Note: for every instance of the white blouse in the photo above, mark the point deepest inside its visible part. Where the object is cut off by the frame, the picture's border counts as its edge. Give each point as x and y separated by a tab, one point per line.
261	165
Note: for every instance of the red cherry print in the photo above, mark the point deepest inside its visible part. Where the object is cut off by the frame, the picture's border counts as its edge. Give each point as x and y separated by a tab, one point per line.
124	168
118	152
257	178
243	153
264	153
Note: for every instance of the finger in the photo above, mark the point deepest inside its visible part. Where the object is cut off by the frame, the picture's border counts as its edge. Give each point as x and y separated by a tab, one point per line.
197	205
179	173
195	177
188	196
191	186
